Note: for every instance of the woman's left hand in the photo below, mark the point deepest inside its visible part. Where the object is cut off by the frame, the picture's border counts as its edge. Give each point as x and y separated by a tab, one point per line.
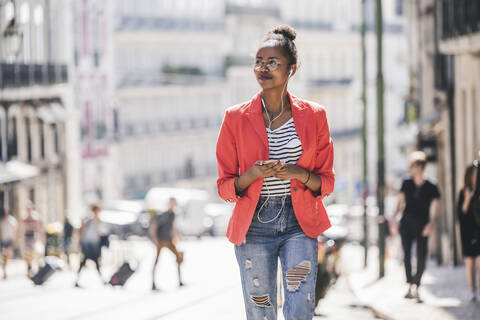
427	230
291	171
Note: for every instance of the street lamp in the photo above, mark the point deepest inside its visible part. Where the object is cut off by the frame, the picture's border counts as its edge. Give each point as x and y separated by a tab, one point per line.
13	37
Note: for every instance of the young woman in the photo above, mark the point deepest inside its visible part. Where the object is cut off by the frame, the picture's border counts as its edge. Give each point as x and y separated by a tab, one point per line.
469	230
275	161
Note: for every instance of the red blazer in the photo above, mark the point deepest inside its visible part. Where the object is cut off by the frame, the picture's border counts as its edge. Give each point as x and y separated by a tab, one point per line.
243	140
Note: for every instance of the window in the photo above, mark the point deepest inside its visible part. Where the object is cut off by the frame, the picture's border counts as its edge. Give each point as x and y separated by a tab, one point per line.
28	133
475	111
42	139
25	21
399	7
31	195
12	139
55	139
130	182
2	136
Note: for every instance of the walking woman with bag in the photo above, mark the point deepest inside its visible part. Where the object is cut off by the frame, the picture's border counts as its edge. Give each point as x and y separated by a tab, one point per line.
275	161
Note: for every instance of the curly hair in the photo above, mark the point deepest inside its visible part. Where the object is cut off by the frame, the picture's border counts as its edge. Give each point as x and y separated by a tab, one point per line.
284	37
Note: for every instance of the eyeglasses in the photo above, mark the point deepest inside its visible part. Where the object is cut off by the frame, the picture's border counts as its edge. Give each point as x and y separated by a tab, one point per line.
271	65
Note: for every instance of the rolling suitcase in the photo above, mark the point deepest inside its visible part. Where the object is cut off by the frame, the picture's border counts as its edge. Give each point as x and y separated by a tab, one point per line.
120	277
43	274
52	264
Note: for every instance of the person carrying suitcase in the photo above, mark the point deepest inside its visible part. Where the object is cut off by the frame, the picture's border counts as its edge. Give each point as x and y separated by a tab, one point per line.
33	232
91	233
162	235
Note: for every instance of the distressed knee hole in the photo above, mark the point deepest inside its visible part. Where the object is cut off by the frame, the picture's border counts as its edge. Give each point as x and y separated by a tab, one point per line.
256	282
297	274
262	300
248	264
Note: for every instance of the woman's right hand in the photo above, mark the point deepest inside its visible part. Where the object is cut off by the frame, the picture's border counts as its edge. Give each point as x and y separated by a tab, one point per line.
264	169
467	196
393	226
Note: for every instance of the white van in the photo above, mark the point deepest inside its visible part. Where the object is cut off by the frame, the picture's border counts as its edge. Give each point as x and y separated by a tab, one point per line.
190	218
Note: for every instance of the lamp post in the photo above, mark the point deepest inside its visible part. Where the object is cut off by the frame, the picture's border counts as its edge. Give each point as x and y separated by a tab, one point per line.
380	142
13	37
364	136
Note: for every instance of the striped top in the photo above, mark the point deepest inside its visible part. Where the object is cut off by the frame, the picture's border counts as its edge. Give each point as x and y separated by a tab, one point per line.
284	145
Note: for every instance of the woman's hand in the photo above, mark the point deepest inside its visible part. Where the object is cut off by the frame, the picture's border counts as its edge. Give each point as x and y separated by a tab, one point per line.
466	201
260	169
291	171
427	230
393	225
264	169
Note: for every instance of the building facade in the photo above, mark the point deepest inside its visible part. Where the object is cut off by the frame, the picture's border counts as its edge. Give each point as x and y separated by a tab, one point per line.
92	64
37	131
443	102
170	92
153	78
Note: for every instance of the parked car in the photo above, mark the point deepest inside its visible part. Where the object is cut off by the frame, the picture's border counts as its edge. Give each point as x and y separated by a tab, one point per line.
190	219
218	215
338	214
125	218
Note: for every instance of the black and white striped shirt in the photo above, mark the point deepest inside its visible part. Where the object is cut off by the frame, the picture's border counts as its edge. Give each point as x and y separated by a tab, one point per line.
284	145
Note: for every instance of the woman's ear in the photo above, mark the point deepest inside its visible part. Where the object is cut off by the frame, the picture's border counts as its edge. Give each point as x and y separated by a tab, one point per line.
292	71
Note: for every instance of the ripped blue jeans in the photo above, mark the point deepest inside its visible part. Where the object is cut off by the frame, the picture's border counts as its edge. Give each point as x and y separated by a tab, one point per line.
258	256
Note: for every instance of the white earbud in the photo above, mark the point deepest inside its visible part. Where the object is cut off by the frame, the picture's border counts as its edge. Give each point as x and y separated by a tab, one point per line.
290	74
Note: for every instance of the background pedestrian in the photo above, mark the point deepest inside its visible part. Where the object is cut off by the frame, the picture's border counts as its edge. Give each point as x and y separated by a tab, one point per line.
469	230
418	195
164	235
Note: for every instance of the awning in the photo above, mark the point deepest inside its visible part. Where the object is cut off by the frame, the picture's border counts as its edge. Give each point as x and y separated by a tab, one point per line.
45	114
52	112
14	171
58	111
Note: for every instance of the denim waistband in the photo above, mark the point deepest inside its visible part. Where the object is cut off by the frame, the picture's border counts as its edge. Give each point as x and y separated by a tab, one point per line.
275	200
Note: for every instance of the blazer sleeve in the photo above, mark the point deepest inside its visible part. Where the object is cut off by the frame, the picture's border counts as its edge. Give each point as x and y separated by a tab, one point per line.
227	161
324	156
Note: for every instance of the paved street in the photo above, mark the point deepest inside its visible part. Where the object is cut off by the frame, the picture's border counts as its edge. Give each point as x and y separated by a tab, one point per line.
212	290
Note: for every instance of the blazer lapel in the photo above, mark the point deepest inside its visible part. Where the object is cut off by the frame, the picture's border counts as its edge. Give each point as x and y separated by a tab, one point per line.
299	114
254	115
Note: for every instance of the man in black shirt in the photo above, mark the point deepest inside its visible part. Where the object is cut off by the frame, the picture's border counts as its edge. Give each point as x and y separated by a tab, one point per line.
162	234
418	194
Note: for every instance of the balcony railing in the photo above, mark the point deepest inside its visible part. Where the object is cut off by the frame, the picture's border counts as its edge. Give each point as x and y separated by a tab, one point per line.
16	75
262	10
460	18
139	23
334	82
149	79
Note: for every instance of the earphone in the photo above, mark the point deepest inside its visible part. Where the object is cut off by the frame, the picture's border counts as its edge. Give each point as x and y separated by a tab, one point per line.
270	121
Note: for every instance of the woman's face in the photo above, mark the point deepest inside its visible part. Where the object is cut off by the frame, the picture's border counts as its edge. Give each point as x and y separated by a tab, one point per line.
271	67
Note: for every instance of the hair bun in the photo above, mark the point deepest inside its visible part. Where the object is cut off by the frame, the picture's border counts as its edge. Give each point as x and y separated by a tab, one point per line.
286	31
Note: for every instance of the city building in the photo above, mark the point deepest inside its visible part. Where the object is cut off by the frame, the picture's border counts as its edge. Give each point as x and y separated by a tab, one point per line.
442	108
153	78
37	122
329	73
92	77
170	89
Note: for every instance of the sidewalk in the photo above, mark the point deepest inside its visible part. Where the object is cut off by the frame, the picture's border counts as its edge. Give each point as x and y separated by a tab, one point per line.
444	291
